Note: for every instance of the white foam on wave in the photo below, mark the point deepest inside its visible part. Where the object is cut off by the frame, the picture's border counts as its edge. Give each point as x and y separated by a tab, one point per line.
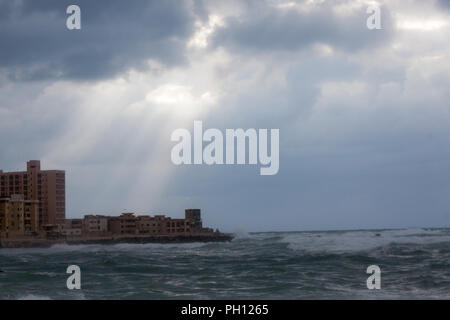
74	295
93	248
131	246
33	297
240	234
352	241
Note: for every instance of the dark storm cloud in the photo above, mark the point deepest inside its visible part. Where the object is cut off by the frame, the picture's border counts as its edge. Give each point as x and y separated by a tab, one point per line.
266	28
115	36
444	3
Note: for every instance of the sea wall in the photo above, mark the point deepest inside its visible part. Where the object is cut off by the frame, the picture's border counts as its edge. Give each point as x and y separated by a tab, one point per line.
39	243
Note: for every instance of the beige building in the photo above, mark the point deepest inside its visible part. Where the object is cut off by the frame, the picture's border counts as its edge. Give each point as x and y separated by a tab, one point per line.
162	225
18	217
129	224
95	224
72	227
193	216
46	186
152	225
124	224
178	226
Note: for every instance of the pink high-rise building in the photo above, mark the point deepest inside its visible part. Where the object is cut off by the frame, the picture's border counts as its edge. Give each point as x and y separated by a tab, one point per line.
47	186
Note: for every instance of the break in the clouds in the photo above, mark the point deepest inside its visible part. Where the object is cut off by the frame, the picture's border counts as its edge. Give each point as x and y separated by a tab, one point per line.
116	36
363	114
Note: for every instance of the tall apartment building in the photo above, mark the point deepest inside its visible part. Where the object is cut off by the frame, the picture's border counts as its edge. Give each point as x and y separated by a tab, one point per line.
46	186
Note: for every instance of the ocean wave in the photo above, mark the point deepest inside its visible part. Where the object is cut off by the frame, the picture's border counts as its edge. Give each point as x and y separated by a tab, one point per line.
72	295
354	241
33	297
263	265
240	234
93	248
131	246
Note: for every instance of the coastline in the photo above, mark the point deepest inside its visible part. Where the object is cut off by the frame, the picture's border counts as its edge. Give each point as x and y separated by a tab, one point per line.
108	240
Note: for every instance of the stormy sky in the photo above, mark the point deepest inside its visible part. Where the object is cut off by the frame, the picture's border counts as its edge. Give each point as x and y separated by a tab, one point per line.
364	115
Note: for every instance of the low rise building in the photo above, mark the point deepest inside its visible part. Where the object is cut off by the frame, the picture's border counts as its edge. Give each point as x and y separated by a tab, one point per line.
18	217
178	226
95	224
72	227
129	224
124	224
194	218
151	225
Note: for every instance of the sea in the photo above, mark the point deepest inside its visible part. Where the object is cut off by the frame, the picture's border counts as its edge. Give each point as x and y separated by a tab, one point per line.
414	264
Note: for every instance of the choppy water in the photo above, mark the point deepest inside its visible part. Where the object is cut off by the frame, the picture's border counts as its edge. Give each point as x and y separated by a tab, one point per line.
297	265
